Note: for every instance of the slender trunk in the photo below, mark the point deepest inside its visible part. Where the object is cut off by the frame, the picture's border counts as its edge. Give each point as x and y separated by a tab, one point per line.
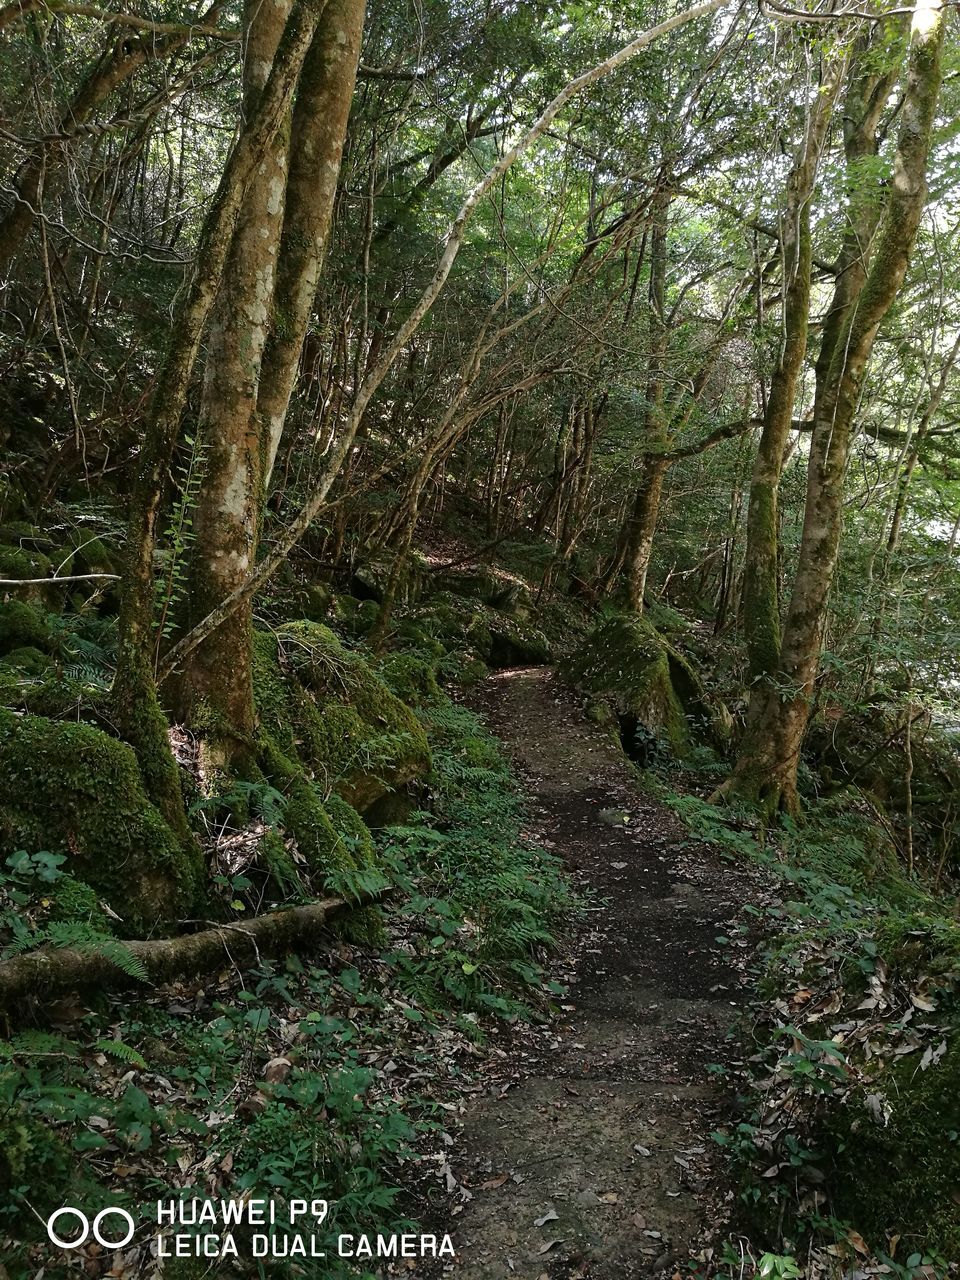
217	684
642	525
771	749
317	137
136	709
641	522
761	569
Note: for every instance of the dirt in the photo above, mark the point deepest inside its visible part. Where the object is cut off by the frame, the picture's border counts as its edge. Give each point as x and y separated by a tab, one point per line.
589	1152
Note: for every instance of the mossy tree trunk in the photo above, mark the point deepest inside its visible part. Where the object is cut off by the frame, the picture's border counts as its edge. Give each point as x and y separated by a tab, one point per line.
216	687
256	337
136	709
761	587
317	136
770	752
645	509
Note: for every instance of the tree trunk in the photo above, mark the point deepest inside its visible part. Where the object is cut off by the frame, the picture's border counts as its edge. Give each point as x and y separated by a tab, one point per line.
761	598
317	138
641	523
770	753
136	708
217	685
641	527
248	384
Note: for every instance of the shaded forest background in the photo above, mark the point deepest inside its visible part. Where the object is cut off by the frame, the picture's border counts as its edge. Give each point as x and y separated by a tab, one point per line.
349	351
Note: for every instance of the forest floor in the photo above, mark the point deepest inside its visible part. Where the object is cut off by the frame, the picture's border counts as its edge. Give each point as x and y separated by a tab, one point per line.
589	1153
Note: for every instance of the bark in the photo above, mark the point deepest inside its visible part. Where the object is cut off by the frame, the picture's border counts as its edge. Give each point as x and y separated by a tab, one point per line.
217	685
642	525
136	708
317	138
761	596
770	752
57	971
642	521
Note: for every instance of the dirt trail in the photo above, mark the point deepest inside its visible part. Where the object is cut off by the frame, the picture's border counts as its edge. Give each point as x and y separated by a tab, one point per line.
598	1126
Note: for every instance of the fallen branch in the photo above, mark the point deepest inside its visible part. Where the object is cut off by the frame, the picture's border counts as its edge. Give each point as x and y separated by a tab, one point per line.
69	577
56	971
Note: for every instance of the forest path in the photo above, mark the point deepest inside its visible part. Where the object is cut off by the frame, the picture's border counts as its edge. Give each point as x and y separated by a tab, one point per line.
598	1125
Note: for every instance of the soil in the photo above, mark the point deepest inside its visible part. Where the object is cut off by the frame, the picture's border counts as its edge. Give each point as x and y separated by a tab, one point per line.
589	1154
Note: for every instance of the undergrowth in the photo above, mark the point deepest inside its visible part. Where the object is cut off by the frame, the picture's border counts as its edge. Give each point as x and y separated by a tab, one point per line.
848	1142
323	1079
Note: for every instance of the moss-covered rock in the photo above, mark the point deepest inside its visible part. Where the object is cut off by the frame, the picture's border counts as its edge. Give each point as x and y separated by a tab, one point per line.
370	580
411	676
324	706
27	661
648	683
23	625
468	626
21	562
900	1173
72	789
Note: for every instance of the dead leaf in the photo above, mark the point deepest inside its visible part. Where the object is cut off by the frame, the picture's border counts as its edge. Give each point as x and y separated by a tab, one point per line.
931	1055
492	1183
924	1003
277	1070
550	1216
858	1242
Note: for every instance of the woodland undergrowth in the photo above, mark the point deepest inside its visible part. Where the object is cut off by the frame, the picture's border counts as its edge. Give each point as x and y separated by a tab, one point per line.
845	1139
328	1076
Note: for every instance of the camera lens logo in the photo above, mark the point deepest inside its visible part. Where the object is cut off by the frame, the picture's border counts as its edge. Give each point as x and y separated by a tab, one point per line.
85	1228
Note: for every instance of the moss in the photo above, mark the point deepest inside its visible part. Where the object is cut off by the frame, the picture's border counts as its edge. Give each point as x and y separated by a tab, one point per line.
277	861
75	902
18	562
599	711
51	694
31	1150
370	580
461	625
72	789
914	942
28	661
91	555
327	709
627	661
515	642
901	1177
23	625
411	676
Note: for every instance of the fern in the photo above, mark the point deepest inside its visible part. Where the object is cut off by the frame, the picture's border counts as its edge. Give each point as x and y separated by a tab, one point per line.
172	586
82	938
37	1044
123	1052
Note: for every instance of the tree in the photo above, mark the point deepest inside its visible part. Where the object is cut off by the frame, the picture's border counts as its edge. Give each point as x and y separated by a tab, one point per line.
873	266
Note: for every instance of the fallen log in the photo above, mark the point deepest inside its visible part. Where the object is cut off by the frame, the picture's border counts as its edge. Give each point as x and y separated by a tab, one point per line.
57	971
